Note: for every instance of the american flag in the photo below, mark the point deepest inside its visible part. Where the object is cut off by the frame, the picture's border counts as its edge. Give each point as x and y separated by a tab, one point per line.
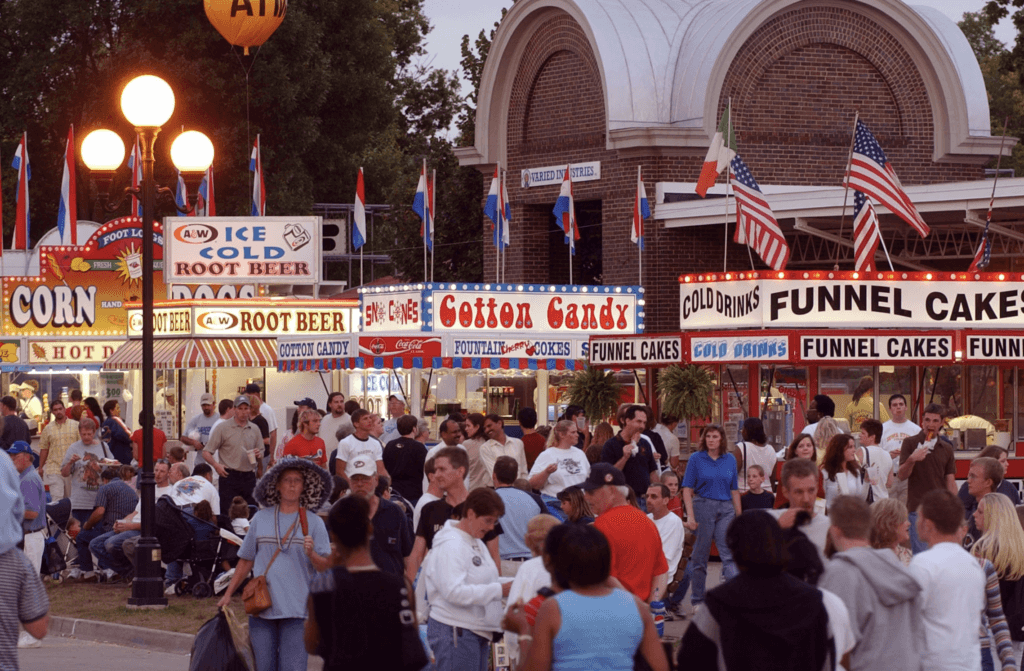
755	223
871	173
865	233
983	256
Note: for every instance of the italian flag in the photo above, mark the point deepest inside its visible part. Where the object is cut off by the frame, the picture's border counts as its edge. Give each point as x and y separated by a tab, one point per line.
720	153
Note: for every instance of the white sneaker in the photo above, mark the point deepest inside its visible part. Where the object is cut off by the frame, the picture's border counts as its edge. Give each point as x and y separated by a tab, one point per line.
74	574
109	575
27	640
169	591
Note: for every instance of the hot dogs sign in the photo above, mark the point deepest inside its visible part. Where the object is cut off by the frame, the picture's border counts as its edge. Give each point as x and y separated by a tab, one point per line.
521	309
81	291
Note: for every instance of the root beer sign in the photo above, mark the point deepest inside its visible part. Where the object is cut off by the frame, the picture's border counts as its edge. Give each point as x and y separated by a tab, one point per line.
256	318
81	291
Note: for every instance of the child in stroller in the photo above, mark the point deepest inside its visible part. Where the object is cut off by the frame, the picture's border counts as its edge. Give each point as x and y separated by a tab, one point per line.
203	547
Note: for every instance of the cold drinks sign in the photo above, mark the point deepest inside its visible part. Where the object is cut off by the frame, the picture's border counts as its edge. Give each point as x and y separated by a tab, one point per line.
232	250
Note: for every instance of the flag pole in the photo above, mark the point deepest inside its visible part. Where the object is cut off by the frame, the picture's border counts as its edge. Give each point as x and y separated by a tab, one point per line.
433	220
846	193
504	222
426	217
639	247
999	162
728	177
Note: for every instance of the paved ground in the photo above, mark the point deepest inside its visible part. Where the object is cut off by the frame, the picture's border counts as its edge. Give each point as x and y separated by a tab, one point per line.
58	653
91	656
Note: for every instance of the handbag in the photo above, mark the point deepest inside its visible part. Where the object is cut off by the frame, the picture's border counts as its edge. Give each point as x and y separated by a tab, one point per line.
256	593
867	464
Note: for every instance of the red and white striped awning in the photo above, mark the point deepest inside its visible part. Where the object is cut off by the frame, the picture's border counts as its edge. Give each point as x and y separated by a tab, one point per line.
179	353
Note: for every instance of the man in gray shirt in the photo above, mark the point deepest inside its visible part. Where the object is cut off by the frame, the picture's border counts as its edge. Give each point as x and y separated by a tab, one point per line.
239	444
880	593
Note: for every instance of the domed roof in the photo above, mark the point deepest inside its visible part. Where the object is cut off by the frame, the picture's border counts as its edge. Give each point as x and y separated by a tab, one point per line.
663	64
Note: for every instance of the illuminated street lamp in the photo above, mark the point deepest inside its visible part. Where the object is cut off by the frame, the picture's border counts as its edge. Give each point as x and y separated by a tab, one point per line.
147	102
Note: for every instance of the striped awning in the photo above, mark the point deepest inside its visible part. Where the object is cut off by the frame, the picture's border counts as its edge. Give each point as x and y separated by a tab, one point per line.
396	362
178	353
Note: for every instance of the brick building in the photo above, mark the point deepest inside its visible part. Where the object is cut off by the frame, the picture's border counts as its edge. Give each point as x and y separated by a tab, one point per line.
631	83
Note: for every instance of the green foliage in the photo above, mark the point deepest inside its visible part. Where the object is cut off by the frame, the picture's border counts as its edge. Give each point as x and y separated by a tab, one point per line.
594	390
322	94
686	391
1001	70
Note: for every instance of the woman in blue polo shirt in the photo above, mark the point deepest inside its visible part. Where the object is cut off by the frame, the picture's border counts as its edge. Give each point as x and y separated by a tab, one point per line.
712	500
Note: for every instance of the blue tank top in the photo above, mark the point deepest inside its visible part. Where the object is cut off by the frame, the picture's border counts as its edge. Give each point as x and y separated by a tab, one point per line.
598	633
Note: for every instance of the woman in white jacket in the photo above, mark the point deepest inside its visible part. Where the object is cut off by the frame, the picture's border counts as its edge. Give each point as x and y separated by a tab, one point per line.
463	587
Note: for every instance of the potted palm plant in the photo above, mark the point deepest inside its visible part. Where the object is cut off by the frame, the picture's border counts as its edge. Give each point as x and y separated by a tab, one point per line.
596	391
686	392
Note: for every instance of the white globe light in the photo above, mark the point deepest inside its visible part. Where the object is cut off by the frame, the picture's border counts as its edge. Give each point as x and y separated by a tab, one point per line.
147	102
102	150
192	152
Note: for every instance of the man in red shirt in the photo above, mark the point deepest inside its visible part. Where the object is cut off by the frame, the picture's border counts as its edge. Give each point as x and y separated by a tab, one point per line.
306	444
638	561
533	442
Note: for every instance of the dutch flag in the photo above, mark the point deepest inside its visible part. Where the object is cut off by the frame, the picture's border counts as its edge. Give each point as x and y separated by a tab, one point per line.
135	163
565	211
21	223
359	214
505	210
641	211
259	193
497	209
421	206
67	214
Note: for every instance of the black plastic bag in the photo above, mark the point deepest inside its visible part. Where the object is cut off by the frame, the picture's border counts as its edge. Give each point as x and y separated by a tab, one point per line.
214	647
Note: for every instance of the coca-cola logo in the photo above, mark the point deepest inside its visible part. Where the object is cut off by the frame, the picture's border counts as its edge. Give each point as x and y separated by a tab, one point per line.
409	345
377	346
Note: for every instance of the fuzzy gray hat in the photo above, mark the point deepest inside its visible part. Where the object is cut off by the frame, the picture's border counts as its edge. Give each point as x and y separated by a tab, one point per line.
315	492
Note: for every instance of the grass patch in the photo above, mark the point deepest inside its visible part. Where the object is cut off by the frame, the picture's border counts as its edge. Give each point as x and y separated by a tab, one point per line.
106	603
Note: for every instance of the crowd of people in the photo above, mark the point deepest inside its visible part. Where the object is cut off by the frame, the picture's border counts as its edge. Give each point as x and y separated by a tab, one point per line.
574	552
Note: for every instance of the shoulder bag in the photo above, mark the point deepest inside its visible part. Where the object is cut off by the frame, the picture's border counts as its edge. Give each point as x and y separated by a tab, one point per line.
867	464
256	594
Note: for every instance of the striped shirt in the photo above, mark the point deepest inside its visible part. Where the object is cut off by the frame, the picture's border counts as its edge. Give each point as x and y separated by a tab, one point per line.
118	500
993	621
57	438
22	599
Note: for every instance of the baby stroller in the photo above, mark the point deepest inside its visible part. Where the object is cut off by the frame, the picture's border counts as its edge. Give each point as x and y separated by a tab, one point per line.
202	546
60	552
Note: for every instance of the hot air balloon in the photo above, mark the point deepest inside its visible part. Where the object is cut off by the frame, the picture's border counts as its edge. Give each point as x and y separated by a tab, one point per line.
246	23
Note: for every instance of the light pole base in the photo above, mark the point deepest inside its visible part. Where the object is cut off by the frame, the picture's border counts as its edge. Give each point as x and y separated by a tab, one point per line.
148	586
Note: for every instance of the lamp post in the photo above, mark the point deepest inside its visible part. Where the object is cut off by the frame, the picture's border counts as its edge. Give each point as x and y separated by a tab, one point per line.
147	102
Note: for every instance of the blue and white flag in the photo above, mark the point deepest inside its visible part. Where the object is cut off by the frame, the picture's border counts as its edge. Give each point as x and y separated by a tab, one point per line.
67	212
565	212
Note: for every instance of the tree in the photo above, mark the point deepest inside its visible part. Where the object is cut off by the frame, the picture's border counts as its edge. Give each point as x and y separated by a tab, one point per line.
1001	82
321	93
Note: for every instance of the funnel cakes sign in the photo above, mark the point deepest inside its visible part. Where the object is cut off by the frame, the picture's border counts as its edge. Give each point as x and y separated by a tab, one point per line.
81	291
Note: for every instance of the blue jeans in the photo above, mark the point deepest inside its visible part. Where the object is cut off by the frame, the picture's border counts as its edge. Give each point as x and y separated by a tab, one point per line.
684	584
713	518
455	648
916	544
85	537
277	645
986	660
108	551
554	507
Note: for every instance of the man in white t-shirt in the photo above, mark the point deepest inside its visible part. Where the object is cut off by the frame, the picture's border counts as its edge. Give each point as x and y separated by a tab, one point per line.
501	445
335	418
799	482
876	462
894	432
666	428
450	432
670	527
557	468
195	488
396	408
360	443
953	586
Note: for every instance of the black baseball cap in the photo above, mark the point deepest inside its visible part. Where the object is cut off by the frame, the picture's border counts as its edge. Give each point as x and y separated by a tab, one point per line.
308	402
601	475
252	388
